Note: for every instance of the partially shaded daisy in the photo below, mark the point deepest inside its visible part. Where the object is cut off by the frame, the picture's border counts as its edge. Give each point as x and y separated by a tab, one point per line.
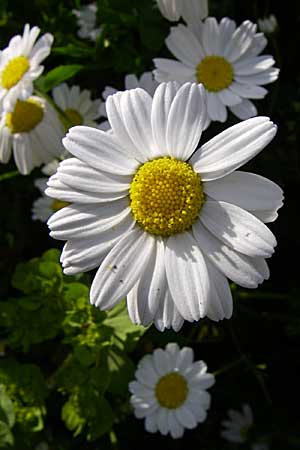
20	65
268	25
77	105
170	391
86	20
225	59
189	10
146	81
44	206
238	426
33	131
167	223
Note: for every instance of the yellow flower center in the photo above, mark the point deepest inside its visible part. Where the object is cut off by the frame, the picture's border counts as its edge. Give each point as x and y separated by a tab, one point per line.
215	73
56	205
72	118
26	116
171	390
166	196
14	71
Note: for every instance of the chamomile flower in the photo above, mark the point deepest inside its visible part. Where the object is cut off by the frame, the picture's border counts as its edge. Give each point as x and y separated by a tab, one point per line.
268	25
190	10
20	65
146	81
33	131
170	390
238	426
86	20
167	223
77	105
225	59
44	206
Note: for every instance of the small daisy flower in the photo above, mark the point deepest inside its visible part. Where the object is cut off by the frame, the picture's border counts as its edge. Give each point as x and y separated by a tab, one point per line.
238	426
170	391
189	10
167	223
146	82
77	105
33	131
44	206
86	20
20	65
268	25
225	59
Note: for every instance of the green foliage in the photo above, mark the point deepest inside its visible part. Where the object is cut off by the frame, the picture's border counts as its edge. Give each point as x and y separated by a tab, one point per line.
7	418
57	76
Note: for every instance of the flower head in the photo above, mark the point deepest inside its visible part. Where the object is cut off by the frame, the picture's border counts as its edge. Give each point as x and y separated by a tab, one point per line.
167	223
238	426
86	20
170	390
33	131
20	65
268	25
225	59
190	10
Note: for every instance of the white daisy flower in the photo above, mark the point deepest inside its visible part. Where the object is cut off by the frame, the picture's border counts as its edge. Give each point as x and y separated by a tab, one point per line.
20	65
146	82
225	60
190	10
44	206
268	25
33	131
170	390
167	222
86	20
77	105
238	426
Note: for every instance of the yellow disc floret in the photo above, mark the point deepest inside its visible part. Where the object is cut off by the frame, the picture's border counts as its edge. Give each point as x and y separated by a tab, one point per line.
171	390
56	205
14	71
166	196
25	116
71	118
215	73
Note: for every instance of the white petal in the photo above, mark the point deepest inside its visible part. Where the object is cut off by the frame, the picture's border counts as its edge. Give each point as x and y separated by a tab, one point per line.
215	108
99	149
247	190
250	66
162	361
151	423
185	121
170	9
220	301
238	229
265	77
170	69
227	28
121	268
185	417
162	421
176	429
228	98
240	41
248	90
187	276
244	271
244	110
233	147
5	145
23	154
184	358
194	10
167	315
185	46
211	36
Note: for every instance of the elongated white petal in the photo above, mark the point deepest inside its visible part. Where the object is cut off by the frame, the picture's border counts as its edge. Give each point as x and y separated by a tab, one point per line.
248	90
220	301
185	121
194	10
240	42
121	268
233	147
253	65
247	190
185	46
170	9
244	110
165	69
245	271
99	149
185	417
167	315
238	229
187	276
215	108
211	36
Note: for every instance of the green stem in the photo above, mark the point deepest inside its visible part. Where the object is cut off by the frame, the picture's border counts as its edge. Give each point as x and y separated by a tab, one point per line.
8	175
113	440
229	366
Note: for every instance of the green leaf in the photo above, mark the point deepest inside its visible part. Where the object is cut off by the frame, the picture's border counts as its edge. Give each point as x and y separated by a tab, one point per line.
102	422
7	414
71	415
121	370
57	76
6	437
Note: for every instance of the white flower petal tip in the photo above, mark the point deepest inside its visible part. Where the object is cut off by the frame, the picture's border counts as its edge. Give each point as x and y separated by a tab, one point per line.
238	427
170	391
191	11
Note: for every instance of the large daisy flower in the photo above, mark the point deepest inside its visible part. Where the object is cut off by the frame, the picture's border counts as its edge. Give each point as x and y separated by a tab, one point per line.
146	82
225	59
170	390
20	65
190	10
167	223
33	130
237	427
77	105
86	20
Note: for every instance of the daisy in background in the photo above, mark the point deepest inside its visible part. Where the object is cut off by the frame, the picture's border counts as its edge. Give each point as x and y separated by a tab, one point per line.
225	59
146	81
166	223
33	132
20	65
44	206
170	390
239	425
86	20
190	10
268	25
